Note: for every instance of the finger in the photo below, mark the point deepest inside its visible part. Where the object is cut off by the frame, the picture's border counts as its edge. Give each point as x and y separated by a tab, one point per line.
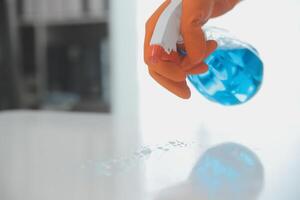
180	89
158	53
169	70
150	26
187	65
194	15
200	69
222	7
211	46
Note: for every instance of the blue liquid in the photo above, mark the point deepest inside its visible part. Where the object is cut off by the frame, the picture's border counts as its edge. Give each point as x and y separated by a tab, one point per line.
235	75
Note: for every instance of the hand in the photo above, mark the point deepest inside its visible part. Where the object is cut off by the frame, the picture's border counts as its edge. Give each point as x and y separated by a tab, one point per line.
171	69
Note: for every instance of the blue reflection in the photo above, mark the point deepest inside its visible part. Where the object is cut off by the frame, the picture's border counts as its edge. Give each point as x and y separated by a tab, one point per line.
229	171
213	173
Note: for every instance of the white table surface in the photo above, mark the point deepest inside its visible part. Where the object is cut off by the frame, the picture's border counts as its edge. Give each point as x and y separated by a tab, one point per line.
41	154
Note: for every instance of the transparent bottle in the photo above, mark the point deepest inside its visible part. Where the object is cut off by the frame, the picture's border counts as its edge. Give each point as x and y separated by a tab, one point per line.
235	72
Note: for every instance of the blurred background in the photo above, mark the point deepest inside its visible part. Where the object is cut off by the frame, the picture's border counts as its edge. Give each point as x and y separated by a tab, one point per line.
75	92
54	55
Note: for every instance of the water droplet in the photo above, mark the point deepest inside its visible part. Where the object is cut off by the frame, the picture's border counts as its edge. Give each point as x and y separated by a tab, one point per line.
125	164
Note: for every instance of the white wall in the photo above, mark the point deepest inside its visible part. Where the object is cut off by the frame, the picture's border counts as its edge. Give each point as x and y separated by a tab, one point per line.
125	93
